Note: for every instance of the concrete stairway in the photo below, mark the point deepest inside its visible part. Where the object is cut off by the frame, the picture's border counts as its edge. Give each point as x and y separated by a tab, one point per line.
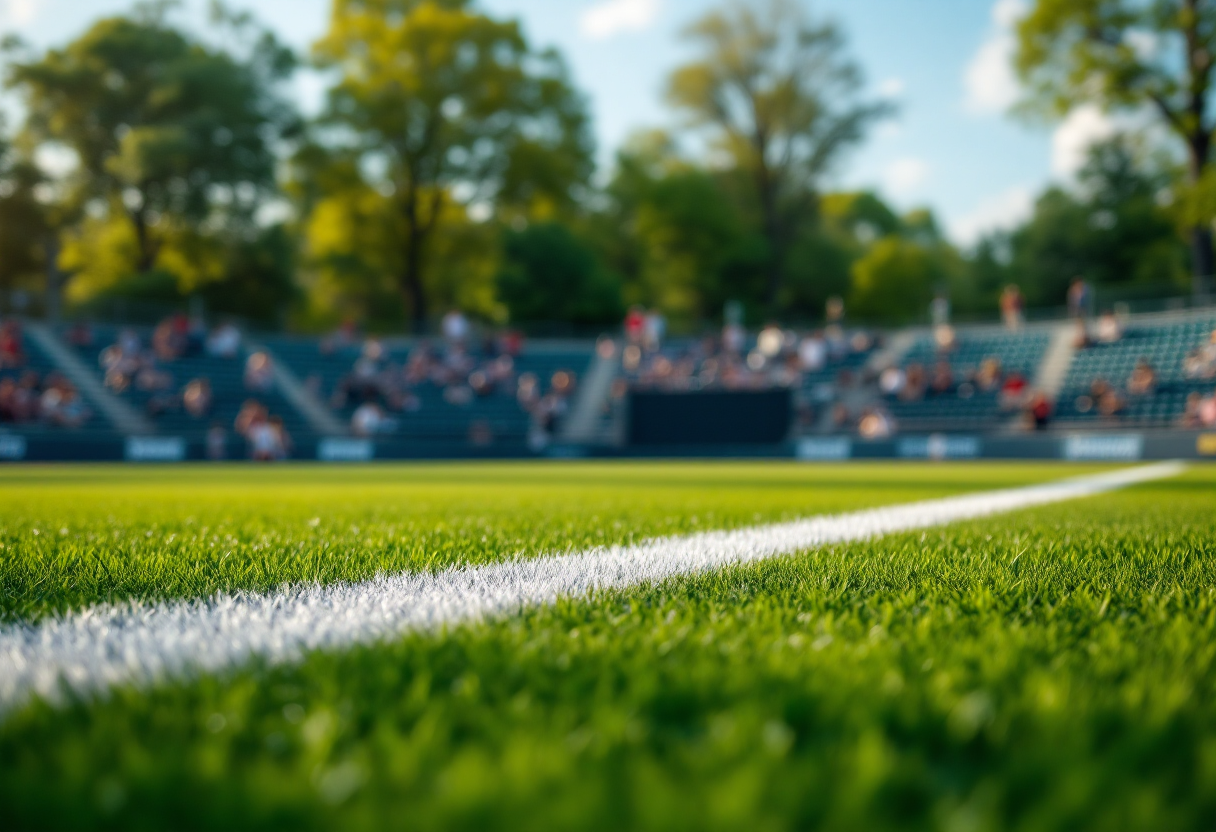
121	415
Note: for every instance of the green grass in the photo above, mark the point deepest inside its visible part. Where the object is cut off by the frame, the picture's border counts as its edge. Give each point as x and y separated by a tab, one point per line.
1047	670
75	536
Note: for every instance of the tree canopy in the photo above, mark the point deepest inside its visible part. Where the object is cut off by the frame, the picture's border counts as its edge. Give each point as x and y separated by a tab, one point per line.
165	130
1129	54
778	98
445	113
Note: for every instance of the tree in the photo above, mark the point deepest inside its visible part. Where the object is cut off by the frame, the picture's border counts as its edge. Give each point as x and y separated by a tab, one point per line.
168	133
779	99
674	232
1111	231
24	229
548	275
448	112
897	278
1130	54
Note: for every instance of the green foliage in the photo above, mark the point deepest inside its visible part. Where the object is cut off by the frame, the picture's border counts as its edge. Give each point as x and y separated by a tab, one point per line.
776	95
1126	54
549	274
444	108
896	279
1046	670
24	227
167	132
1111	232
258	278
676	233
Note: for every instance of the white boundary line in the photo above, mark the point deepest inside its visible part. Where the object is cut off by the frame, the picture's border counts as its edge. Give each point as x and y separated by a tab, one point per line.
83	654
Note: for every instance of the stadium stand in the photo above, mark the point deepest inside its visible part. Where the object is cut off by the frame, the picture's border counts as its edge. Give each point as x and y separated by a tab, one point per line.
504	396
35	398
157	386
1096	393
434	395
966	397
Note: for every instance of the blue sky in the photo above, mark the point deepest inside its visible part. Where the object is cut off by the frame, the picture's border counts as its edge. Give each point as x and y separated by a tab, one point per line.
953	147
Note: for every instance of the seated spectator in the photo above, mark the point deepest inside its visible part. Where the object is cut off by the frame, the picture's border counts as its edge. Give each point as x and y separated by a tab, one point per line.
875	424
988	378
1200	363
1207	411
169	339
1012	307
455	327
1110	403
27	397
196	398
1013	391
460	395
1110	331
223	342
369	420
265	441
341	338
284	445
80	335
942	381
944	338
250	414
1143	379
128	342
259	373
1190	415
151	379
196	335
511	343
1039	410
62	406
527	391
915	384
8	400
12	351
812	353
891	381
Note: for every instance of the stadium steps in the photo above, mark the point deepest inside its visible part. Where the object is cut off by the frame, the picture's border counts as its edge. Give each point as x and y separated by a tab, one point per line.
119	413
1053	370
318	417
585	423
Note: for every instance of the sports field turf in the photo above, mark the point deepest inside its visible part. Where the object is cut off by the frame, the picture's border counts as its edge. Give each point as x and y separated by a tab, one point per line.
1053	668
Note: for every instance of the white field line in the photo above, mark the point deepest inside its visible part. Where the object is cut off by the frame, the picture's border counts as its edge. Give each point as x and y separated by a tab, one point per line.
82	654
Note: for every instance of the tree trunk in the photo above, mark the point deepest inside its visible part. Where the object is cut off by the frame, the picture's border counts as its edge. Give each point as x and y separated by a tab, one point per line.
772	234
148	246
1202	263
54	278
411	276
1199	62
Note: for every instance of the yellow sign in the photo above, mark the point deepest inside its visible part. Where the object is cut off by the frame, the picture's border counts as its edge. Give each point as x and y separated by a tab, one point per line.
1206	444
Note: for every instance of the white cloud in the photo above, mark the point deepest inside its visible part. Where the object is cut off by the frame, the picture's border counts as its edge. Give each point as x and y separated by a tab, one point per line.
19	12
989	80
892	88
611	17
1004	210
1071	141
904	176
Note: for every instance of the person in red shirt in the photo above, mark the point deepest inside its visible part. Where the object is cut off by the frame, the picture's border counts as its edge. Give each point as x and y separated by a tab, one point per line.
12	354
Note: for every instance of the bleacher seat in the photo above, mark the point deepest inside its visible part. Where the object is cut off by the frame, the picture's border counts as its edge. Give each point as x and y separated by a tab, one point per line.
1164	346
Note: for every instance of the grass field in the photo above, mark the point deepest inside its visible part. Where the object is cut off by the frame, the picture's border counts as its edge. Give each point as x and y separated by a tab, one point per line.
1053	668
